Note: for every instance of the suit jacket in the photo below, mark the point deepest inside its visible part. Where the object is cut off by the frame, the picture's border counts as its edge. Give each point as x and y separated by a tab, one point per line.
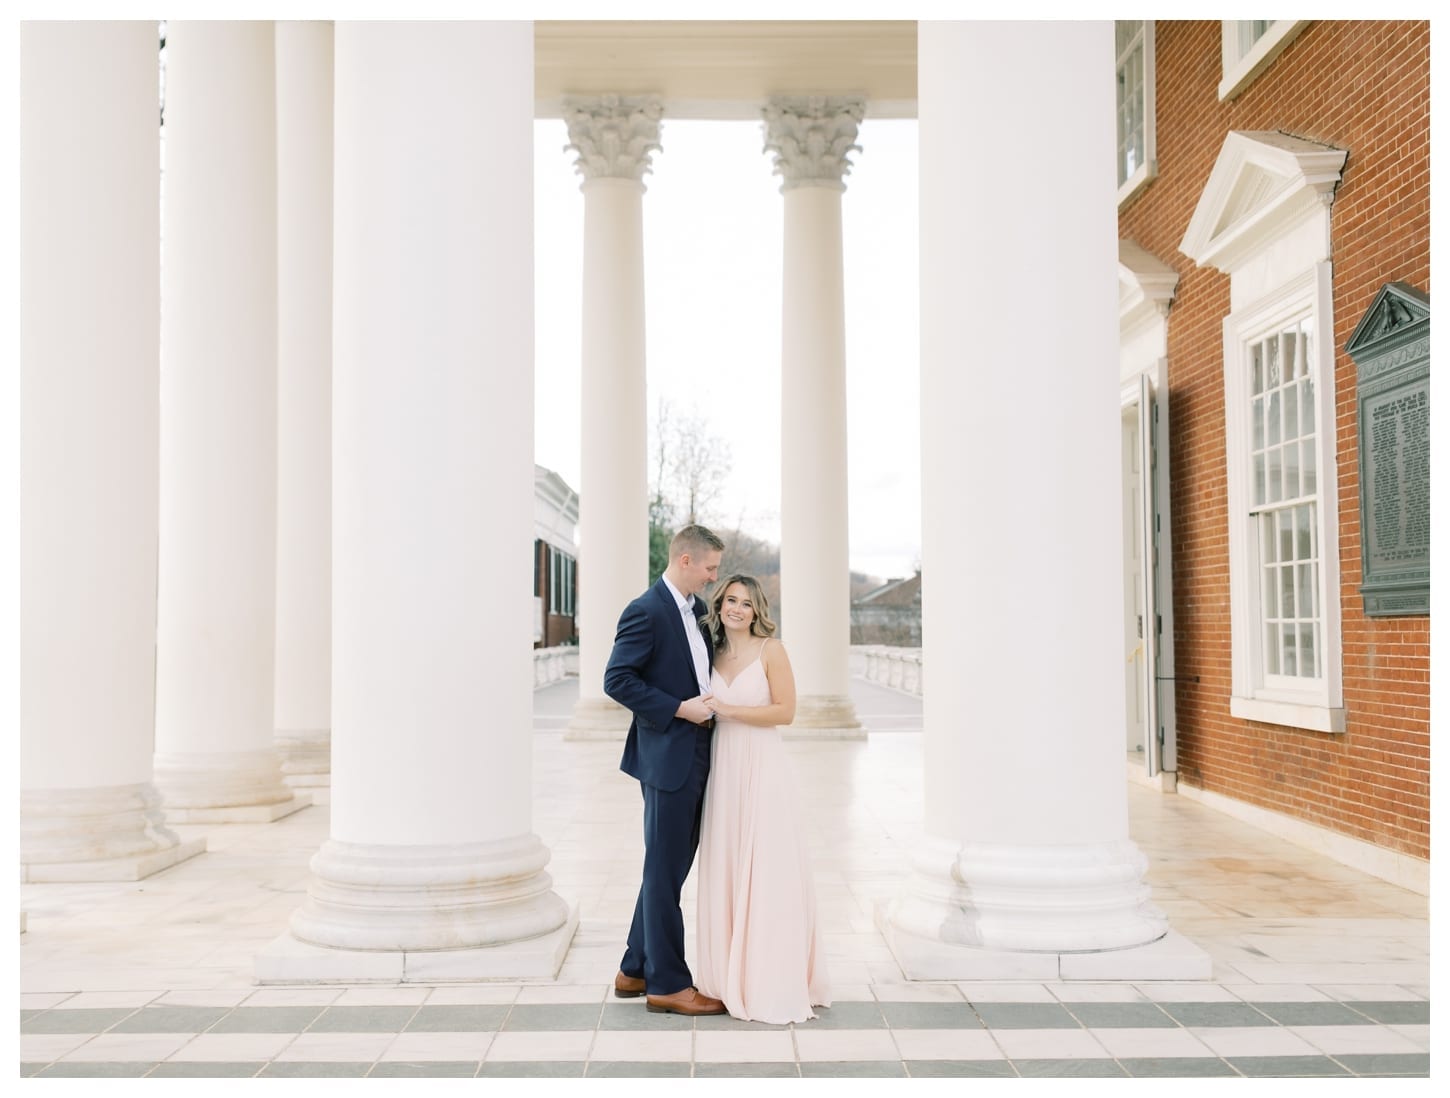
651	671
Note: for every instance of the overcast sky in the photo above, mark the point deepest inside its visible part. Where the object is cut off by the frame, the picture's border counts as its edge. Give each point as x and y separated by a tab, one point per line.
713	222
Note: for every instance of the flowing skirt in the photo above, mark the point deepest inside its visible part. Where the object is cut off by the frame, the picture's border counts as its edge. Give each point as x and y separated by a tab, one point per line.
758	942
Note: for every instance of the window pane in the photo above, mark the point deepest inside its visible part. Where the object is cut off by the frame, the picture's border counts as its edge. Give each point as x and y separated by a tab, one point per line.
1301	531
1307	664
1307	599
1281	453
1131	98
1250	31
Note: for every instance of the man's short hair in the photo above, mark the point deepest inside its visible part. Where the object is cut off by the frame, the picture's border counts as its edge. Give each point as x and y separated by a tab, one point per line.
695	540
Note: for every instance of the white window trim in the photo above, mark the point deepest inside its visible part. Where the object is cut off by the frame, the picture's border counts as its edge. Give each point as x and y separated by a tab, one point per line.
1240	70
1148	170
1318	705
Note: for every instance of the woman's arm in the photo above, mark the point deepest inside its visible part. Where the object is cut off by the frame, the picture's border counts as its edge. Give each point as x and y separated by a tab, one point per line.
781	709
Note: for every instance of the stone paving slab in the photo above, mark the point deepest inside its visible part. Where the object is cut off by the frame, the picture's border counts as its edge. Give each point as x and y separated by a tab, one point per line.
1319	971
605	1041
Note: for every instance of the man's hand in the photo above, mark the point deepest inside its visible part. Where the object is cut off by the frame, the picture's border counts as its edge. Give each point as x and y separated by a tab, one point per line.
694	710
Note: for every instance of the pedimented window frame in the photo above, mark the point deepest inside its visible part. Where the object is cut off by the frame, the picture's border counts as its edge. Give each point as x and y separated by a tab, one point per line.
1263	219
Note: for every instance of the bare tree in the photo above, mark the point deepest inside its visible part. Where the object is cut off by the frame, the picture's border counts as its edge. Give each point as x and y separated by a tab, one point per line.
691	465
699	465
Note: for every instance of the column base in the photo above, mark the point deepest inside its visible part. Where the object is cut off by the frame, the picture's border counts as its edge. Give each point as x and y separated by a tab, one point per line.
824	717
1024	906
1171	957
225	787
240	813
97	833
318	790
135	868
397	899
289	961
598	719
307	761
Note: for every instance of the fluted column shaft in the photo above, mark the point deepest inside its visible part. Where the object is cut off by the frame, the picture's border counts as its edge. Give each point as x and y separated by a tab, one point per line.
303	706
215	758
431	853
90	345
614	137
810	138
1027	845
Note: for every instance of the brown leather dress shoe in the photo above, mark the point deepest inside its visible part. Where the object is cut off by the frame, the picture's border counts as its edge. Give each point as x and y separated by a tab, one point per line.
628	987
689	1001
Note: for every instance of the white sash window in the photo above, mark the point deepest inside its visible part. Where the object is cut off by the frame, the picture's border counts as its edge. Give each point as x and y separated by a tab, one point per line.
1282	528
1137	150
1250	46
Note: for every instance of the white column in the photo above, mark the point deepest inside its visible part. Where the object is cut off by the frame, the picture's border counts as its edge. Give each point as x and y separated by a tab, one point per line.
811	137
614	137
1027	870
89	348
431	871
215	757
303	699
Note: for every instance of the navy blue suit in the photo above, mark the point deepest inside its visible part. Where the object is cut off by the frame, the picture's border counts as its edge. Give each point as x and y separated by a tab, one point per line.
650	671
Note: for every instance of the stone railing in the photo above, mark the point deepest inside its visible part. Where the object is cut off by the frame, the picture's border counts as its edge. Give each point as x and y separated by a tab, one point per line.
553	664
898	668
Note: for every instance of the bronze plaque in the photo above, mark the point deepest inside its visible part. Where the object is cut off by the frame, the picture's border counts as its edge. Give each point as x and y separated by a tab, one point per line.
1391	347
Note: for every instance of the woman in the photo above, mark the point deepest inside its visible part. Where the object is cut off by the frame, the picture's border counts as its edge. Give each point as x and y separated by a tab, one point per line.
758	943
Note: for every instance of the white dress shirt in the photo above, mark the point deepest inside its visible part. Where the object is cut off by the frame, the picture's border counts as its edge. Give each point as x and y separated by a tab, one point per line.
697	638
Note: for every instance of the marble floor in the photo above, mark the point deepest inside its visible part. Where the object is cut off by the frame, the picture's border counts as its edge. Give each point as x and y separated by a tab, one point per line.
1318	970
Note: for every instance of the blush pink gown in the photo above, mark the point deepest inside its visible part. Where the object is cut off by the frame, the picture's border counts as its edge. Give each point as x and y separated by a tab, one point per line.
758	942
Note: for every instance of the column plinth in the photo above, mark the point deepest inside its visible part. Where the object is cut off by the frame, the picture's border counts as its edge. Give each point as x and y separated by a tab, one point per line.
597	719
115	833
420	898
307	761
1025	869
810	138
226	787
614	137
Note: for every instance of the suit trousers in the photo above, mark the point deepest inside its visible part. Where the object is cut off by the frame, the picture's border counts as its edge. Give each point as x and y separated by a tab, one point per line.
656	944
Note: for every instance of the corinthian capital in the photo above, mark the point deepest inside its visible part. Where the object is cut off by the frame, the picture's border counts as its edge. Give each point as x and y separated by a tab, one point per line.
810	137
613	134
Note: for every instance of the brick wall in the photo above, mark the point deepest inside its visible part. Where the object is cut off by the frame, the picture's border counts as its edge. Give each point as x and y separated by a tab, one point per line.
1363	87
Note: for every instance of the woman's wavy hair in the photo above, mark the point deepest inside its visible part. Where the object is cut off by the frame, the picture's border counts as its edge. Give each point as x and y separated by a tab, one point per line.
762	626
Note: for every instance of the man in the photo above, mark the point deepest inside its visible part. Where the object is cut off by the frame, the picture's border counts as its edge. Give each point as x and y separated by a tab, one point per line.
660	671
